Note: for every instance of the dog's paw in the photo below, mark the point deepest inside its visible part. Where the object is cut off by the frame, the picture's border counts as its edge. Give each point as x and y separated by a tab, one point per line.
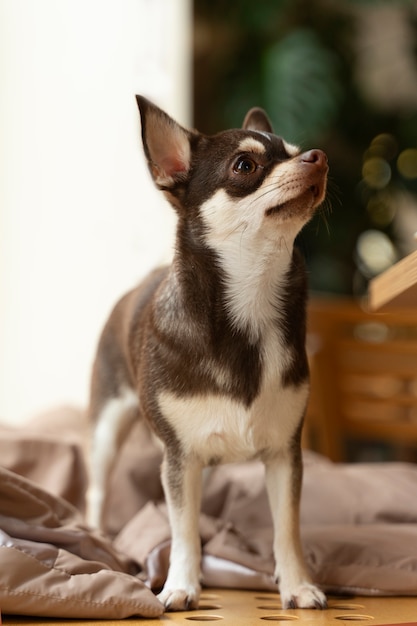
306	596
179	599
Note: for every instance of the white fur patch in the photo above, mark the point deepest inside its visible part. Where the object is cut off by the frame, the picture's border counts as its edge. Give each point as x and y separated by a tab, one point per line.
250	144
111	422
213	426
255	249
291	149
229	218
264	134
255	252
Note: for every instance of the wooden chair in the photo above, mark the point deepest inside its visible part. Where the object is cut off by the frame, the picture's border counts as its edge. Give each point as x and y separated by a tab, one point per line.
363	376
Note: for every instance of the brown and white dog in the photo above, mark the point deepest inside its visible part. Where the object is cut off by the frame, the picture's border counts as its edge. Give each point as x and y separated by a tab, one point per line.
211	349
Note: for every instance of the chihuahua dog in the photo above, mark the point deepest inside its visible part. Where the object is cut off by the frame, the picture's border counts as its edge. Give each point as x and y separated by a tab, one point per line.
211	350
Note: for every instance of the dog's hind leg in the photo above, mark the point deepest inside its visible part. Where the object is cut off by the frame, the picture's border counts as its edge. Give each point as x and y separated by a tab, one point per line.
182	485
283	482
111	426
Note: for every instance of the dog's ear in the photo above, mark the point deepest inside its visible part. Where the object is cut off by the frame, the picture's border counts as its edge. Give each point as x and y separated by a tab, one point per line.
257	119
166	144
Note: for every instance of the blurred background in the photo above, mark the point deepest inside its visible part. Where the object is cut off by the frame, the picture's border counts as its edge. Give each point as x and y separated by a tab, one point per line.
80	221
336	74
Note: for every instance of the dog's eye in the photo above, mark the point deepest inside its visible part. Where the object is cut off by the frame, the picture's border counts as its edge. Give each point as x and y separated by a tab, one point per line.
245	165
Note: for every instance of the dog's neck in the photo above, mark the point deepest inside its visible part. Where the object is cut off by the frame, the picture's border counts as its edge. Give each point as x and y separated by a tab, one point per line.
254	283
256	260
233	281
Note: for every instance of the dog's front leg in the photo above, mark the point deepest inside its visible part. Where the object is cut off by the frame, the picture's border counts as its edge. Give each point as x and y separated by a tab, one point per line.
182	485
283	481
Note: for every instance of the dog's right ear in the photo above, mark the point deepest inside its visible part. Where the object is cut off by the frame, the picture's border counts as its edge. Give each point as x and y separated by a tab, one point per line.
257	119
166	144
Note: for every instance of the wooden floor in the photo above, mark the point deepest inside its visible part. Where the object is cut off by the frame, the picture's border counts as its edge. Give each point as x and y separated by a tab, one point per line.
249	608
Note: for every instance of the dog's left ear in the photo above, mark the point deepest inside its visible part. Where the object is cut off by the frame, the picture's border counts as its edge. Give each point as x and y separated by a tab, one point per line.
257	119
166	144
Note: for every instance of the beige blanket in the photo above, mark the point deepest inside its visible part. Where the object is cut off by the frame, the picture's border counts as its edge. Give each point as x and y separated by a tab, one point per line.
359	526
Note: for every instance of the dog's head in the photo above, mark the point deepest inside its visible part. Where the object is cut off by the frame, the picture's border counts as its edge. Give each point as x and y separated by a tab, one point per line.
241	180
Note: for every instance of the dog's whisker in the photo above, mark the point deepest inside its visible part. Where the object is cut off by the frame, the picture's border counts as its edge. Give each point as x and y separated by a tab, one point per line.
272	187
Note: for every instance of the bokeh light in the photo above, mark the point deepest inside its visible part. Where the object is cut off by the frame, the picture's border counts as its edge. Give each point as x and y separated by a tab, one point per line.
375	252
376	172
381	209
407	163
383	145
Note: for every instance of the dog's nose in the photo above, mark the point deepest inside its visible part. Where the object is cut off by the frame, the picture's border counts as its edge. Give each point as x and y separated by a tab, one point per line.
314	156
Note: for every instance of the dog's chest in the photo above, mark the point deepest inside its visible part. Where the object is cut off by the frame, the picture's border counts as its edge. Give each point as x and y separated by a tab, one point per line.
219	428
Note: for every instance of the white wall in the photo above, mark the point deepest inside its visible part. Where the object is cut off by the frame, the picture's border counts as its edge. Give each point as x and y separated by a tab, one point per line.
80	221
